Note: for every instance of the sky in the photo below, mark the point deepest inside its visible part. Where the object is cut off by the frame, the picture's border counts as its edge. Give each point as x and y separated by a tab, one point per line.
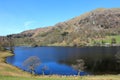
19	15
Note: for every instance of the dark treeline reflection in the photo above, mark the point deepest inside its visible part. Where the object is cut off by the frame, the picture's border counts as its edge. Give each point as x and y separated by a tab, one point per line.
98	60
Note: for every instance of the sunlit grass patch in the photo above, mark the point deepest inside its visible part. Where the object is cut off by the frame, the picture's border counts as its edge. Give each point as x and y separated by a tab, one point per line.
7	69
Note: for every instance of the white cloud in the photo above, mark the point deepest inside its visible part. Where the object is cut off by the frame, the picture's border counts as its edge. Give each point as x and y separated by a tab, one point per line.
28	24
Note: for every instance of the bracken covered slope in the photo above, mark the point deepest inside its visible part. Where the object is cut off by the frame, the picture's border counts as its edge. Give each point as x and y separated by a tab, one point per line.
81	30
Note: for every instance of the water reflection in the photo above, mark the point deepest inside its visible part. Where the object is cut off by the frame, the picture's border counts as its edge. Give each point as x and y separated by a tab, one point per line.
59	60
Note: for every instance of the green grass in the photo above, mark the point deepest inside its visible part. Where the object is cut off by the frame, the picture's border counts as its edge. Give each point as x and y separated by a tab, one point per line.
42	78
103	77
107	39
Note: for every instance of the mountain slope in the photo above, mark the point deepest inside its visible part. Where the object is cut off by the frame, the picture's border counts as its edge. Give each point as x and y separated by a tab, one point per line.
81	30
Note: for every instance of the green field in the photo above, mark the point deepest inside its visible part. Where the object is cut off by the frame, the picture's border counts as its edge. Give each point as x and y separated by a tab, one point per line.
106	40
9	72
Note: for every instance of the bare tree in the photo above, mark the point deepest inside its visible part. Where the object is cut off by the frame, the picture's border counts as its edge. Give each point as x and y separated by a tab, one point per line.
117	56
80	65
44	68
31	63
113	41
1	47
10	42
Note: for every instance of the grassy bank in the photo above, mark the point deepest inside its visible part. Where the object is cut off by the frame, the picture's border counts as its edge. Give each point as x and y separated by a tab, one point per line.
106	77
7	69
9	72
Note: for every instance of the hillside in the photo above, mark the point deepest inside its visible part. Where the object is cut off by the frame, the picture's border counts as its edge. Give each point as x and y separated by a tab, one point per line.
85	30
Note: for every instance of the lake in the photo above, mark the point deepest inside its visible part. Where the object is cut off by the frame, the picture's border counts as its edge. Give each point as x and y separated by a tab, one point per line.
59	60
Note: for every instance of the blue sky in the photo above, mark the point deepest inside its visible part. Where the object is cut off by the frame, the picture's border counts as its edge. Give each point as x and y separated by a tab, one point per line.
19	15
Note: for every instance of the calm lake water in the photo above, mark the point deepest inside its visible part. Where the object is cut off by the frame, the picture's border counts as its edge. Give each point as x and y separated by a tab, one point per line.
59	59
